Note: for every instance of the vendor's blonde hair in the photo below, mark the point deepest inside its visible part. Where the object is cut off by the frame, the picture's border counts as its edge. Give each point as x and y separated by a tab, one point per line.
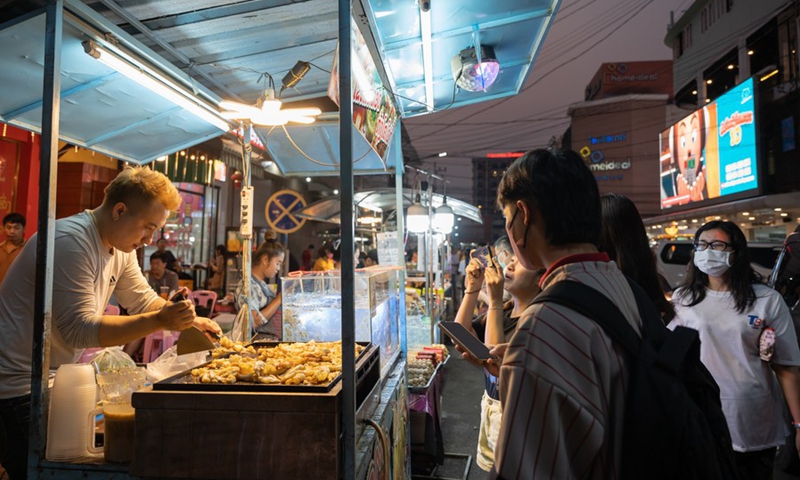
140	186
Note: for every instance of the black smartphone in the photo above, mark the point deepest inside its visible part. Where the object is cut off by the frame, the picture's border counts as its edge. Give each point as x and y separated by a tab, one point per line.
178	297
491	256
465	340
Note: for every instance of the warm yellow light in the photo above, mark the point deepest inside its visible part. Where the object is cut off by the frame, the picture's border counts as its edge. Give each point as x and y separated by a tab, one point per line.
269	113
709	81
769	75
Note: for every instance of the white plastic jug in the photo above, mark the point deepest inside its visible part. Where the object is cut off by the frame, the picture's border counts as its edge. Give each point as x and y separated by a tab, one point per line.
70	429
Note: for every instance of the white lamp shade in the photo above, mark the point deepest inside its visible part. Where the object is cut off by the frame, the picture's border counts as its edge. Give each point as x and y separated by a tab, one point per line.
444	220
417	219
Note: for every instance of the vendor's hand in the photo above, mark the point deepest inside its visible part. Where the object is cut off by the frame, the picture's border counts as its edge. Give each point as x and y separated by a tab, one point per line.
495	282
176	316
182	291
208	326
493	364
475	275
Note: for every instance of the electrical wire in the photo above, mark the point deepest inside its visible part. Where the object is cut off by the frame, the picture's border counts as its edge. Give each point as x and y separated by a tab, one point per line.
323	164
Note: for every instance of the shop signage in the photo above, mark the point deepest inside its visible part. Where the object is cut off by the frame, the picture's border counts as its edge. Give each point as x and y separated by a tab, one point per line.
712	152
619	137
281	209
596	161
374	114
9	164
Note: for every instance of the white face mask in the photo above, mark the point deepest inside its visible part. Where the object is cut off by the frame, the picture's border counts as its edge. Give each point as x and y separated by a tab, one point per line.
712	262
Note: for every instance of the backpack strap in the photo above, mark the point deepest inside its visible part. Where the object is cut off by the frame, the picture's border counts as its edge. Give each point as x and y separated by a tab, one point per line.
594	305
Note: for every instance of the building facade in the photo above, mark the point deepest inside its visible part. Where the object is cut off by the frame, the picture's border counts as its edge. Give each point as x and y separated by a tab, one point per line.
723	45
616	129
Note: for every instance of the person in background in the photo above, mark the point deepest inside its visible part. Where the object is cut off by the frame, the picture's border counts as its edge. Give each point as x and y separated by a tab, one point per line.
562	380
624	239
308	255
264	302
746	334
494	327
182	274
93	257
324	261
503	251
169	259
14	230
360	258
217	266
372	258
159	276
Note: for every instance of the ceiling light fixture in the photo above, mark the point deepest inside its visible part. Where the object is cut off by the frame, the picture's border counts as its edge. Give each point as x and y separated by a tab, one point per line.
417	218
475	70
149	80
268	111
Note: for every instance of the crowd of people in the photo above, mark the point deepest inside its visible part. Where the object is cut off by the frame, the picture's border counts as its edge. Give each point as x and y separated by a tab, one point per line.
556	388
555	399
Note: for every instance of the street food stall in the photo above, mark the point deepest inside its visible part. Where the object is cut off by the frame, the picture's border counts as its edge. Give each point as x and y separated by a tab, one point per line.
141	81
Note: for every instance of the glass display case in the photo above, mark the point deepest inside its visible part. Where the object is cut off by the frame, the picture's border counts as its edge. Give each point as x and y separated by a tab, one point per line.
312	309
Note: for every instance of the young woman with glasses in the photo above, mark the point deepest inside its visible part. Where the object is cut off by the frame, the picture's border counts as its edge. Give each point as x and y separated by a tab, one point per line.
746	334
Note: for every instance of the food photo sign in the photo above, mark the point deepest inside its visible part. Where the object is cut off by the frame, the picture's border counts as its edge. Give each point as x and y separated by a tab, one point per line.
374	114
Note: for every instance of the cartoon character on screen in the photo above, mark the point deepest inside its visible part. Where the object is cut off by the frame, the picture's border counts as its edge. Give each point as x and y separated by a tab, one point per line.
688	146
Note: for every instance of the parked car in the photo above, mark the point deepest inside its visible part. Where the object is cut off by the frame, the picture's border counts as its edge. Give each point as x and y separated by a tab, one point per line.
672	257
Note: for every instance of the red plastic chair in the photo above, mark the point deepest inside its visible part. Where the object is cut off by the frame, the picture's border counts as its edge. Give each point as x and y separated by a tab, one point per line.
206	299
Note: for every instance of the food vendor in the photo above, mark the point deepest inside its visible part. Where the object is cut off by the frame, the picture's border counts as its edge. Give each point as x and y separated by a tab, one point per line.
264	302
93	257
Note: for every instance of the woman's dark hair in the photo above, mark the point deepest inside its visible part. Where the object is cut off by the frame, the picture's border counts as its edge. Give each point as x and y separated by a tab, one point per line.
270	248
220	249
624	239
562	188
324	250
739	278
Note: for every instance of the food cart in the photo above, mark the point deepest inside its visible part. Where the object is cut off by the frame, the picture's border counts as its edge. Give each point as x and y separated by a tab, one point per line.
139	97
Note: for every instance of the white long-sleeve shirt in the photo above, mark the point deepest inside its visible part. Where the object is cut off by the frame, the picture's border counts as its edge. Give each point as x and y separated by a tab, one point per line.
85	274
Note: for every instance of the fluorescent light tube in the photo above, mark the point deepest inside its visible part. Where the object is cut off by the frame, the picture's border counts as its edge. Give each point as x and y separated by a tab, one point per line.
142	78
427	57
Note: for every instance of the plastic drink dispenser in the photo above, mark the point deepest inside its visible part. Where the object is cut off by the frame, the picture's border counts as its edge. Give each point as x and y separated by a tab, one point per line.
119	414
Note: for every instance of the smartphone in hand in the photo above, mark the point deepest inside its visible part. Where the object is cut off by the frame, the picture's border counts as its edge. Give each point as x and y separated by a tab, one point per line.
178	297
467	341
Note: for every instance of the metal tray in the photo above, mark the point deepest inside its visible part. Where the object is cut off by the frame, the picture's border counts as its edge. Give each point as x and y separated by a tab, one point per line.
424	388
184	381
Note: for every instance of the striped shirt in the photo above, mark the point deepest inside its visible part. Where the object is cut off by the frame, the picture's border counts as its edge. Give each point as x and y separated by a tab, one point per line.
563	384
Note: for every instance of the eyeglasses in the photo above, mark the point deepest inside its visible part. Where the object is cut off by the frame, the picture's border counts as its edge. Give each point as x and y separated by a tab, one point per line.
525	238
716	245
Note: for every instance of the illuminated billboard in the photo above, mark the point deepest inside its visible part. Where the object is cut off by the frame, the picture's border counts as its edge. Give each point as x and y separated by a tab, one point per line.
711	153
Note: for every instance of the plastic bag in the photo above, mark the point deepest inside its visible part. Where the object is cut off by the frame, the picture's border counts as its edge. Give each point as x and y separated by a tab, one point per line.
111	359
170	363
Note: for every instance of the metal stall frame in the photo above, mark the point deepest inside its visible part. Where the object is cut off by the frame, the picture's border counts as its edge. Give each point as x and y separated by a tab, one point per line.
38	467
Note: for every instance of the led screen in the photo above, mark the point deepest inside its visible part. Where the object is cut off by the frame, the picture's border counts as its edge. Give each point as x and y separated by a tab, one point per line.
711	153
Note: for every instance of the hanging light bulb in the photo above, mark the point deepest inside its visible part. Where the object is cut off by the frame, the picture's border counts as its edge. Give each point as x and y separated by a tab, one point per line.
444	219
268	111
417	218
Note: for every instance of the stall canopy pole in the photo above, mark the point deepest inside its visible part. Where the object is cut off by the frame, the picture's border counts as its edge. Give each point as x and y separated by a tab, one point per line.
429	265
347	245
247	150
397	151
45	239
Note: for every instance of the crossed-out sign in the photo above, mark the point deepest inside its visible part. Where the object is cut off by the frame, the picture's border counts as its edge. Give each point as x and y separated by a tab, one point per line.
280	211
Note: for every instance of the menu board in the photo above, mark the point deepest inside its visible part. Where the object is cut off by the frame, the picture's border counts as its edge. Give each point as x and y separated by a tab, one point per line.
374	114
387	249
712	152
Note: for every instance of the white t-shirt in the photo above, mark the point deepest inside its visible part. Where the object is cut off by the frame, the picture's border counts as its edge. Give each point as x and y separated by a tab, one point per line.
751	397
85	275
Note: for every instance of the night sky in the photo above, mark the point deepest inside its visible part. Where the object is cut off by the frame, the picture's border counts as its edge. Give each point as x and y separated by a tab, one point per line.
585	34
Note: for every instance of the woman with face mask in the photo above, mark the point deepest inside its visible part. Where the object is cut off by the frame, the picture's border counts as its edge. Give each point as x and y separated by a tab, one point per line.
746	334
